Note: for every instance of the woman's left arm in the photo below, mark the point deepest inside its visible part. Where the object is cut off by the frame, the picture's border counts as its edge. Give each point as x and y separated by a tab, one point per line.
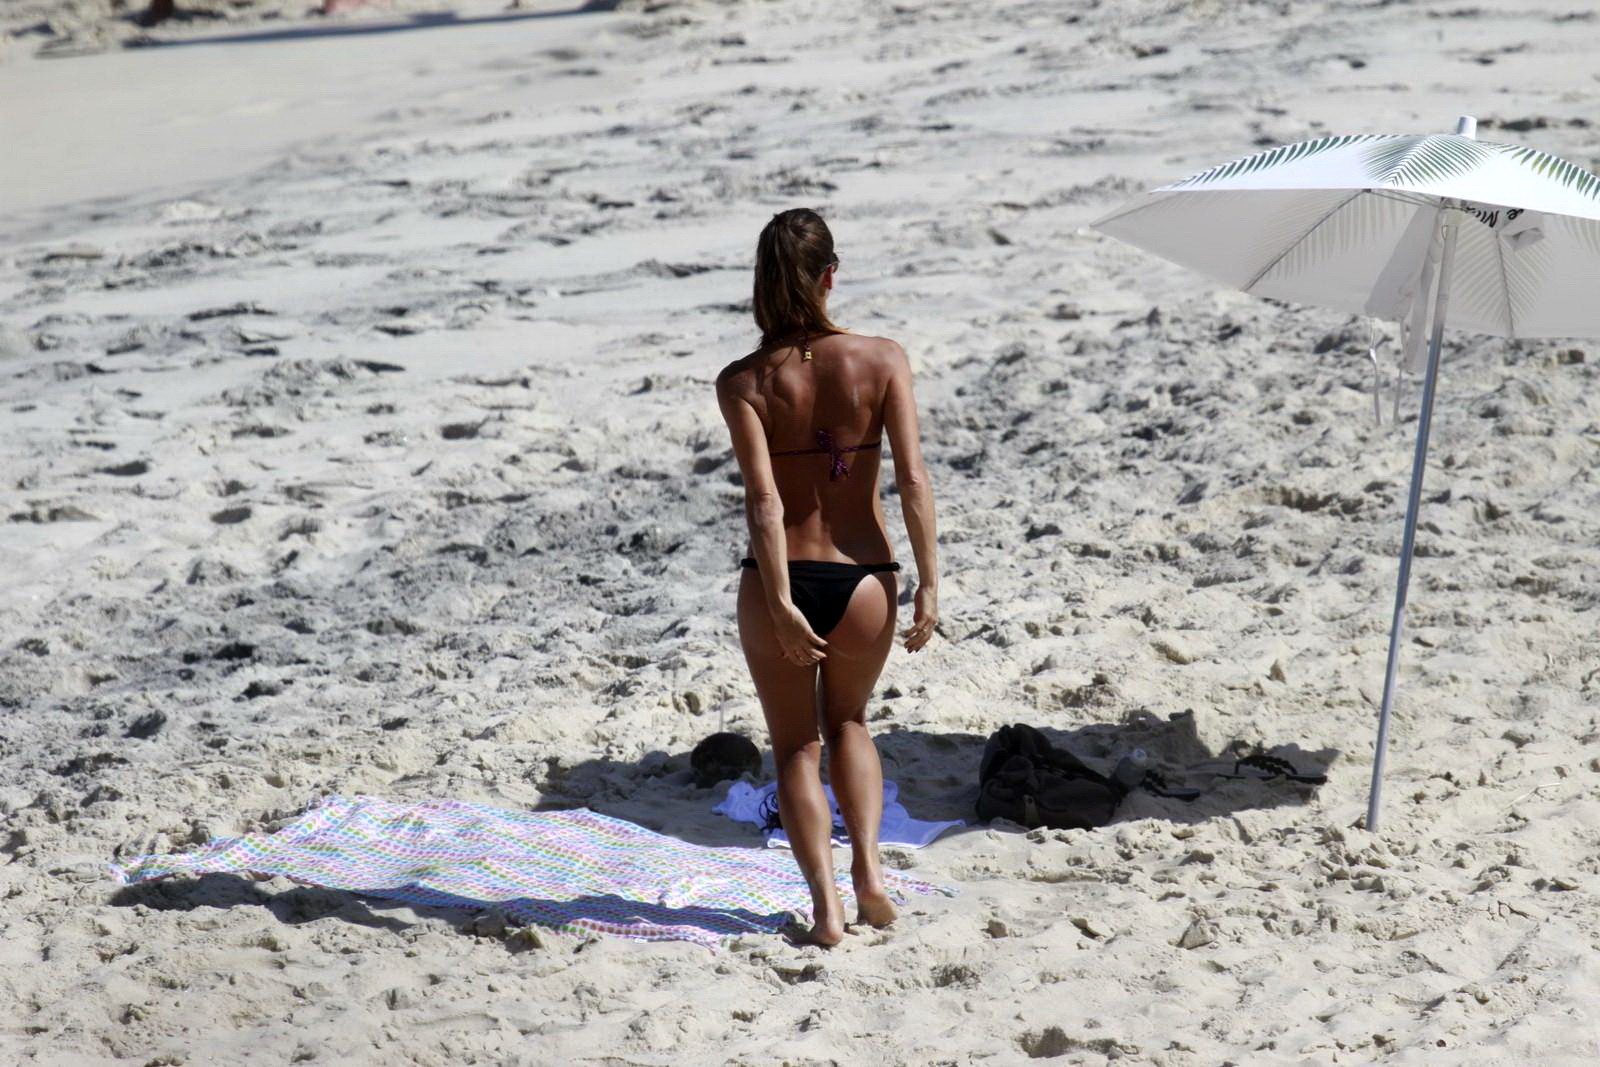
763	509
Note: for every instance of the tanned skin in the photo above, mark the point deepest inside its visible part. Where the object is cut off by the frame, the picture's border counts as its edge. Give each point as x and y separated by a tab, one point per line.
813	691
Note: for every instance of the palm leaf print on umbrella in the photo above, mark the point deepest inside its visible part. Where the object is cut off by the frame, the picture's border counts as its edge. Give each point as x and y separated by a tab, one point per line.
1556	169
1424	160
1272	157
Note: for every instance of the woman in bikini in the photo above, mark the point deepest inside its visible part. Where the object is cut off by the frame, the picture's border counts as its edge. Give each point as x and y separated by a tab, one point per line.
808	412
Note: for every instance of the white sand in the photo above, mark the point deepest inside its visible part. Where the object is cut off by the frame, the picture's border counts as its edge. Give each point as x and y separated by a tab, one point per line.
503	572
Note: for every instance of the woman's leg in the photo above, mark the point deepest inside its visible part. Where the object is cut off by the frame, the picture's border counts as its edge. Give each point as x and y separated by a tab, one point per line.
789	699
857	649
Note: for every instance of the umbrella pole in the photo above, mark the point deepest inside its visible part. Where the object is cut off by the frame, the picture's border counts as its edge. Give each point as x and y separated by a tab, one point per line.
1450	221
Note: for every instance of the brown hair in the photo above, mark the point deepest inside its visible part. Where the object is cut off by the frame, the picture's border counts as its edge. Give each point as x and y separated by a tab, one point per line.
792	253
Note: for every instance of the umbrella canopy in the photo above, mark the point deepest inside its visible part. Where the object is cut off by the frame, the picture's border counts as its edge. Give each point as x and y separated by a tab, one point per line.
1351	223
1505	239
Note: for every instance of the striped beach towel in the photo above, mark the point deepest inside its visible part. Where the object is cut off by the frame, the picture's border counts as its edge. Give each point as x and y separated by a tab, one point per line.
577	871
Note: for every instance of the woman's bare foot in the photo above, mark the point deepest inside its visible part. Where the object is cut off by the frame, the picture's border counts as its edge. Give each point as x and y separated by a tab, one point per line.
827	919
823	935
874	908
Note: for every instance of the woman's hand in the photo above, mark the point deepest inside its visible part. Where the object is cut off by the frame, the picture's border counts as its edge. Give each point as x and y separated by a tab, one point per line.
800	645
920	631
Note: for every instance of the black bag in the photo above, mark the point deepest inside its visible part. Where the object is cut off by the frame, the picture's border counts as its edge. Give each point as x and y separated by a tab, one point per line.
1026	779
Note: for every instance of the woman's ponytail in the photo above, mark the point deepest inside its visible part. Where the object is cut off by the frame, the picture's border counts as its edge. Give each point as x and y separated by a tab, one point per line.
793	252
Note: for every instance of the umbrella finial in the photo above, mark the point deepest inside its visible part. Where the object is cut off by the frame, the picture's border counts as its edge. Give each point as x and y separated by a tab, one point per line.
1466	126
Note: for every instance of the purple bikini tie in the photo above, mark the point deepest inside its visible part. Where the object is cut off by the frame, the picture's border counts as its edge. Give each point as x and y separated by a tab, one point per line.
836	465
836	468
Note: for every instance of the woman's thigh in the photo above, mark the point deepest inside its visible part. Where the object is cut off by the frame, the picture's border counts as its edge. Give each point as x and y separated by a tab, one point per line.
857	649
788	693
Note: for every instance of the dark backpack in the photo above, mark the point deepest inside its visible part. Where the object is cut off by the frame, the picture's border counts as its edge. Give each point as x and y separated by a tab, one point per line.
1026	779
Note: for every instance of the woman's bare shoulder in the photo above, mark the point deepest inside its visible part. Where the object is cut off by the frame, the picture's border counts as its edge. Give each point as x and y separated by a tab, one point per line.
738	377
881	350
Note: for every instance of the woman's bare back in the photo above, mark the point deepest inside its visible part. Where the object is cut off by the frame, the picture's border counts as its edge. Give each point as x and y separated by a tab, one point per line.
828	485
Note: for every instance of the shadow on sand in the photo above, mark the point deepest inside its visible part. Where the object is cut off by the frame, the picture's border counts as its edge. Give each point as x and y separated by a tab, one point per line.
484	918
937	773
302	904
422	21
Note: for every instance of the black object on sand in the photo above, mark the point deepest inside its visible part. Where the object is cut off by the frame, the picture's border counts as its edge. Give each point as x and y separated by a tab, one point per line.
724	755
1026	779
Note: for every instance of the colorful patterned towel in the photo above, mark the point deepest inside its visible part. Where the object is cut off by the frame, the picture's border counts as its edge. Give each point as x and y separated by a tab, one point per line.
572	870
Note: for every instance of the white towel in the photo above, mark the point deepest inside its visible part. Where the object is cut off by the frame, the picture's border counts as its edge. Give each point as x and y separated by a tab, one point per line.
744	803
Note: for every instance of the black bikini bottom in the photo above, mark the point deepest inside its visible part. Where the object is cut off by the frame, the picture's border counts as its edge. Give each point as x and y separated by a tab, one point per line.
822	590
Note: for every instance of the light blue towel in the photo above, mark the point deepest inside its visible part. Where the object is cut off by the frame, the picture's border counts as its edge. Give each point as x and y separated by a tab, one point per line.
744	803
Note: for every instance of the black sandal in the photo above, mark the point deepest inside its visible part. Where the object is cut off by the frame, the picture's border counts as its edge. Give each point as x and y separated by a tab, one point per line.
1275	767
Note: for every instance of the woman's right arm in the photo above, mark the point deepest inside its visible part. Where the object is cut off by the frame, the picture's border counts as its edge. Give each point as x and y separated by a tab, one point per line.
916	496
764	514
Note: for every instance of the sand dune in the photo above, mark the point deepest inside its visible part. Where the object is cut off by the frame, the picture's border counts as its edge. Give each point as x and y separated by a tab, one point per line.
377	453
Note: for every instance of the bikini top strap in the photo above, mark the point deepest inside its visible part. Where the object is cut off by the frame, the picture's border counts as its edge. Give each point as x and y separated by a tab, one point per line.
826	445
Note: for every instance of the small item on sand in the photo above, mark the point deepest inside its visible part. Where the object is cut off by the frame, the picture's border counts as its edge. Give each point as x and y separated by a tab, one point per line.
158	12
1026	779
722	756
577	871
1268	767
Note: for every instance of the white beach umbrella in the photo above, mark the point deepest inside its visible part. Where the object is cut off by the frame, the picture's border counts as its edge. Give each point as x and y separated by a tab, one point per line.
1504	238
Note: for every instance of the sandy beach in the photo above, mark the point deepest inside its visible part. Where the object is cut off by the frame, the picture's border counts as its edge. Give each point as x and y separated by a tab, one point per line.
359	438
